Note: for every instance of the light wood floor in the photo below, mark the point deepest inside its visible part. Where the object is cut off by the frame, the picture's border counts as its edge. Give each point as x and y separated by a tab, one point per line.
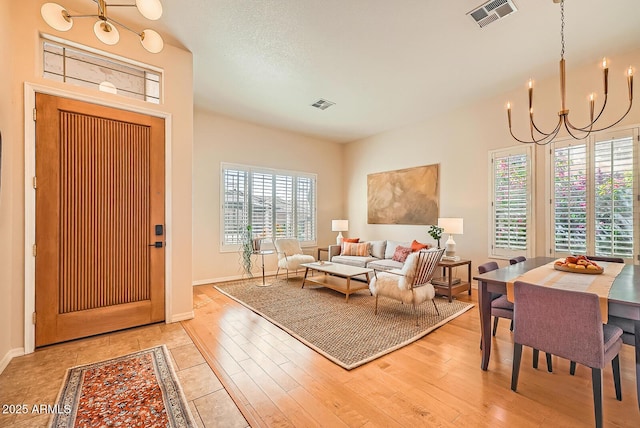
278	382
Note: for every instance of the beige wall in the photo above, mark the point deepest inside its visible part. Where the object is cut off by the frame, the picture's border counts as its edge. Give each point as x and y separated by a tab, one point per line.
19	41
221	139
460	141
11	301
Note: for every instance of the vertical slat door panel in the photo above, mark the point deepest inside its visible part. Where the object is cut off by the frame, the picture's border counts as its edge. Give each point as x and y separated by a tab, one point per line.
95	214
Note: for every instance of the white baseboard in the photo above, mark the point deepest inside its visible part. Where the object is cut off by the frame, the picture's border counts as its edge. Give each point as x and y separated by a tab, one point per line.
232	278
17	352
181	317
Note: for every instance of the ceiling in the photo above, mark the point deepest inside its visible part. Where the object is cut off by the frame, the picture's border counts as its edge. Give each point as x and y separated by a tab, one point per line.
385	63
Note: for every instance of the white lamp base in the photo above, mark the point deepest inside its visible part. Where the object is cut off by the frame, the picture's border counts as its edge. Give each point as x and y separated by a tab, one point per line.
339	238
450	250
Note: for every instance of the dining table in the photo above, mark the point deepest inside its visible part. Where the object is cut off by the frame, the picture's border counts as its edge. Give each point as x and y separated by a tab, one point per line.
623	303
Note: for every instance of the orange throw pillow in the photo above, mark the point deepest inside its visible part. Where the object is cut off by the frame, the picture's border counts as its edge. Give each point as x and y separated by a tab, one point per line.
354	240
417	246
354	249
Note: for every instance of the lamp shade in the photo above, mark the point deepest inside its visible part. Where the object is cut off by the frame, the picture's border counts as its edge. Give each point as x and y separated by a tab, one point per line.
150	9
106	33
451	225
339	225
56	16
151	41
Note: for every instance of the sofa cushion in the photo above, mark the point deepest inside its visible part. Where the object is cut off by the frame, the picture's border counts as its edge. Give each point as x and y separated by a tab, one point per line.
353	260
377	248
391	248
401	253
353	249
384	264
417	246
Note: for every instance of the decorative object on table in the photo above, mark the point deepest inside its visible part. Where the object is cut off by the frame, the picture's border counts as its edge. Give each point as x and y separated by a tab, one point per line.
351	334
452	226
436	233
406	196
578	132
136	389
339	226
246	250
578	264
58	18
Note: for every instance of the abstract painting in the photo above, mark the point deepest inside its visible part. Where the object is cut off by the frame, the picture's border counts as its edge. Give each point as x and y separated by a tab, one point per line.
405	196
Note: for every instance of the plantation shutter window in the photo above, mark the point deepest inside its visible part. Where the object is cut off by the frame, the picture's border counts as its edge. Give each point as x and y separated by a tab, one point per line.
594	196
277	204
570	197
511	186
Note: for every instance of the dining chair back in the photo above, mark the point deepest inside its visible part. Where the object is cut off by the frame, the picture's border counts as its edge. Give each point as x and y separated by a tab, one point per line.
517	259
500	306
567	324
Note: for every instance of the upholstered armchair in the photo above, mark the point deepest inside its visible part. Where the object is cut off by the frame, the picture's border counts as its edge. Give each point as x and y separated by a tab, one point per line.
411	284
290	255
567	324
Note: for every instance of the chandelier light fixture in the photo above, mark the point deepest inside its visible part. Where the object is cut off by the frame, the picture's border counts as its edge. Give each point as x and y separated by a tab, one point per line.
578	132
105	28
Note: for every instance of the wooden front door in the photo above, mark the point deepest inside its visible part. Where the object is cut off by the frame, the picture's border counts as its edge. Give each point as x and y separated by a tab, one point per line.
99	213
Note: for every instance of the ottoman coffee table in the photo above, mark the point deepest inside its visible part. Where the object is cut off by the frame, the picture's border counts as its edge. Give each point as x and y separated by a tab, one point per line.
337	277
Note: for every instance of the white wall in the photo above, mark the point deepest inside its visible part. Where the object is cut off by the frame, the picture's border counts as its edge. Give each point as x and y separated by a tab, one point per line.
460	141
20	24
221	139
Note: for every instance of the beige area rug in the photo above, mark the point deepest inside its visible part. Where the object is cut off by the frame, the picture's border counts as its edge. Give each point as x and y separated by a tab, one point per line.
349	334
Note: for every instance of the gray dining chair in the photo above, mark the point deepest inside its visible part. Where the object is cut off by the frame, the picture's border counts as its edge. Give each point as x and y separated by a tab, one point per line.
567	324
501	307
572	366
517	259
536	353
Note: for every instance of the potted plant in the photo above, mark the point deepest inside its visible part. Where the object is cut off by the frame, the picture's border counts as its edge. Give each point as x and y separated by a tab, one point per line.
246	251
436	233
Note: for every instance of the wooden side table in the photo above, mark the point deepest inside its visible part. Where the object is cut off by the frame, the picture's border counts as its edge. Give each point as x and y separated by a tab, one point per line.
325	249
451	286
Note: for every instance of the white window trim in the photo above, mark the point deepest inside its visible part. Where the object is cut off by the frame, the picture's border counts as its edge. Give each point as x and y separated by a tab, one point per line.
549	194
227	248
531	247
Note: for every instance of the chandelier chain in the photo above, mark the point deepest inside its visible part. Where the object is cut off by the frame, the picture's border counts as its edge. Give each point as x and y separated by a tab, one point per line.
562	27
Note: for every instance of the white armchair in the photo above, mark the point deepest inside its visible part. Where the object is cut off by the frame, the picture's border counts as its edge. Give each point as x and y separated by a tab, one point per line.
412	283
290	255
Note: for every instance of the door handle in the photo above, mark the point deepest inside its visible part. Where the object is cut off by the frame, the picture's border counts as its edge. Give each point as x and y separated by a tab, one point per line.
157	244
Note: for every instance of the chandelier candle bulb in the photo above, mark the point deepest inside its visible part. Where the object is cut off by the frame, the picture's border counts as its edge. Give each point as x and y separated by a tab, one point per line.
542	137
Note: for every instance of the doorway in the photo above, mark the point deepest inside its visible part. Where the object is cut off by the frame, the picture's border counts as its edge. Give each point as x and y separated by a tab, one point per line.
99	219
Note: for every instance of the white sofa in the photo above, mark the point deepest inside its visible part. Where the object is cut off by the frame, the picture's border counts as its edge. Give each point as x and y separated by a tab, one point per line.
380	255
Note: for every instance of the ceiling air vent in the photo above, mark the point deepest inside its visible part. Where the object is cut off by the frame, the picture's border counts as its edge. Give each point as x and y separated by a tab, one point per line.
322	104
492	11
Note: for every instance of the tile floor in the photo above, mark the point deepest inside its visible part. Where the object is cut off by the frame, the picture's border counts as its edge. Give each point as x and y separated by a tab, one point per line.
36	379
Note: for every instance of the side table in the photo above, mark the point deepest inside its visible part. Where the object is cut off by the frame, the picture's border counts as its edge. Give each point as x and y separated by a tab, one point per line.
263	253
449	286
325	249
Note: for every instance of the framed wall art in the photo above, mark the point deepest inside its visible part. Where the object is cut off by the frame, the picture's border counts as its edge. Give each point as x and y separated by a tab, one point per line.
405	196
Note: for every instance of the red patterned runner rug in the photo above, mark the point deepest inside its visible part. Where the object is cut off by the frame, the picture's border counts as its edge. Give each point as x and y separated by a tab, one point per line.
138	389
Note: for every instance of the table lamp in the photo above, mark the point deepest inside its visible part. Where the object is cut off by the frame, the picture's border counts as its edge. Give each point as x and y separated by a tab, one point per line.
339	226
452	226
